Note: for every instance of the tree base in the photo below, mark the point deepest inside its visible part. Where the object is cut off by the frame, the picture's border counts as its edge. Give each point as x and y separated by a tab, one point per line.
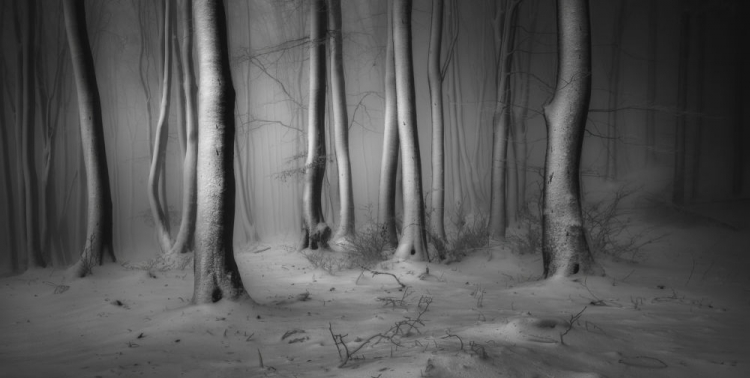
316	239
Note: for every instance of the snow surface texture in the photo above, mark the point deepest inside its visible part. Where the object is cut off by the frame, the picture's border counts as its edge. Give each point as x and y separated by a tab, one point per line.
681	311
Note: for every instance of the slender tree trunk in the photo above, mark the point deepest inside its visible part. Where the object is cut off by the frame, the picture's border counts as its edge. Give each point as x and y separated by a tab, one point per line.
389	164
185	236
10	202
650	132
316	231
99	223
564	248
19	95
413	243
180	75
216	272
341	126
678	188
438	129
33	247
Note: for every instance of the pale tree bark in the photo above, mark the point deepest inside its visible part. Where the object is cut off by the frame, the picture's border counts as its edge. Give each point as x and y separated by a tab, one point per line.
33	247
160	143
564	247
316	232
413	243
678	177
504	22
99	222
185	236
435	82
341	126
216	272
389	163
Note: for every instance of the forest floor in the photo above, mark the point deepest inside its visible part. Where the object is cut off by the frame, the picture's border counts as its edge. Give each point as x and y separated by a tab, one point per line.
680	311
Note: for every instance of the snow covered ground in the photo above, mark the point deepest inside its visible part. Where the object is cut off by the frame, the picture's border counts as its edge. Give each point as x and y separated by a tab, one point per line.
680	311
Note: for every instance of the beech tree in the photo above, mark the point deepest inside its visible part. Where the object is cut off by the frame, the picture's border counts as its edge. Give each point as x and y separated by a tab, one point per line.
413	243
316	232
564	247
216	272
435	82
99	221
389	163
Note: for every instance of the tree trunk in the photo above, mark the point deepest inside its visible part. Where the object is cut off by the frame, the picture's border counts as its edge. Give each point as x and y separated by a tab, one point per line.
341	126
740	133
10	202
435	82
99	222
564	247
33	247
614	93
389	164
185	236
216	272
413	243
678	182
316	231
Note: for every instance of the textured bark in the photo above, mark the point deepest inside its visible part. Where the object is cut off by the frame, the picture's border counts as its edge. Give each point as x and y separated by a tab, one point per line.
505	26
186	235
33	247
341	126
216	272
158	158
435	82
413	243
316	232
99	221
564	247
678	178
389	163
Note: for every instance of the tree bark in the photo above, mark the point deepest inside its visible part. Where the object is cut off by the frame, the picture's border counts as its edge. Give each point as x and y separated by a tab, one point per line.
186	235
99	222
389	163
316	231
413	243
216	272
435	82
564	248
341	126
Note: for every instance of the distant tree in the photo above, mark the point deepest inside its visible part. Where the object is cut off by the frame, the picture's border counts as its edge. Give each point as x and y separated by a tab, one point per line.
316	231
99	222
216	272
389	163
413	243
341	125
564	247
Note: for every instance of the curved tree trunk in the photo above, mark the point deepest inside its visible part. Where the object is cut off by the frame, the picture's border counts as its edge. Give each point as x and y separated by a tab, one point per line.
564	247
99	222
435	81
413	243
216	273
184	240
389	163
316	232
160	143
341	126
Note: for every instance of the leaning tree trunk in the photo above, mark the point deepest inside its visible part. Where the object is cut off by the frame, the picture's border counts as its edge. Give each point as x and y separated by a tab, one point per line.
216	273
316	232
341	127
160	143
435	81
389	163
564	247
184	240
99	222
413	243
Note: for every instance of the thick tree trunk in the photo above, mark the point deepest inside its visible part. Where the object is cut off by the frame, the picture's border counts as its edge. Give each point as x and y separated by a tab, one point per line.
435	81
341	126
413	243
160	143
216	272
185	236
316	231
564	247
99	222
678	181
389	163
